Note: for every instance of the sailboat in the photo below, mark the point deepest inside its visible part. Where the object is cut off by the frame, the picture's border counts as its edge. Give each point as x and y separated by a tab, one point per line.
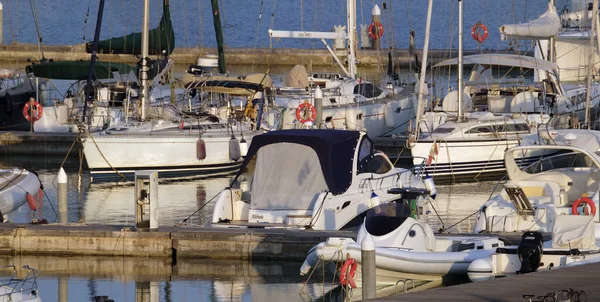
183	144
470	143
347	101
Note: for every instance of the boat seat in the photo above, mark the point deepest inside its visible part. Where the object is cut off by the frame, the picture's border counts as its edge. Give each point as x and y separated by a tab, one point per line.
540	191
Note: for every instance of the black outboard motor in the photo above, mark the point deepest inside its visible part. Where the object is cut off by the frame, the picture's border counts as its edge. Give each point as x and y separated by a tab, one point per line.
530	251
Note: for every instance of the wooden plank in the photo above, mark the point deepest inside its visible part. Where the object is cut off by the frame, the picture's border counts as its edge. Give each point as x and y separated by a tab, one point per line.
513	288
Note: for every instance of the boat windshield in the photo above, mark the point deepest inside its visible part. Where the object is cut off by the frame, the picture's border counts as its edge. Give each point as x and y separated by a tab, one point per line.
384	218
560	161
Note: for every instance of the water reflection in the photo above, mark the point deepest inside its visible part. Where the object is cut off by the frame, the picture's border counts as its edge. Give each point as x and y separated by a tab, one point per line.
149	279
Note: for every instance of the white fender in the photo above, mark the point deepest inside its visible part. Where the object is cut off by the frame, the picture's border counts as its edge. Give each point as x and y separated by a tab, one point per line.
389	115
351	120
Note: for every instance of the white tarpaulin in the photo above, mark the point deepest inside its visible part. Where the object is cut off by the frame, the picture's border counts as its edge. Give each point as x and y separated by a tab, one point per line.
546	26
574	231
287	176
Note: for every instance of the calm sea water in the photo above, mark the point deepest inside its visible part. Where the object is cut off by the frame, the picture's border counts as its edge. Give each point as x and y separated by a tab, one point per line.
246	22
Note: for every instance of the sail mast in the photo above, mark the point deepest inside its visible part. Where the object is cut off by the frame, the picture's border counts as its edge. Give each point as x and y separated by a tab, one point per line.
219	33
351	17
144	73
590	67
91	74
460	60
422	88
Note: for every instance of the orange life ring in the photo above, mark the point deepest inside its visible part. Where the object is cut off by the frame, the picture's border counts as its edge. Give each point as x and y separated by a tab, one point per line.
306	112
375	30
477	35
36	110
579	202
347	277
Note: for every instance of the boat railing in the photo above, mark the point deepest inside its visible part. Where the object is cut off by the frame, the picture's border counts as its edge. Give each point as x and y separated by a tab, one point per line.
27	285
404	282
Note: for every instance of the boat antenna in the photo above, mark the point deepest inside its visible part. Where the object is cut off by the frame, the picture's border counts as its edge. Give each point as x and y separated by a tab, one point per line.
91	73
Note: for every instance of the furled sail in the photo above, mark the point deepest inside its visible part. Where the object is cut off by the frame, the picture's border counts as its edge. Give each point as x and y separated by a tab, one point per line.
160	39
546	26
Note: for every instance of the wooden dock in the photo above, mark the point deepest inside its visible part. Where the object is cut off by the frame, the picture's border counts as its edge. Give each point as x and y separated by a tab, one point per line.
513	288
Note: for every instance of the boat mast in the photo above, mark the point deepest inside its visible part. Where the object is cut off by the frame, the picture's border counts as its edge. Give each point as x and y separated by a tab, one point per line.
422	88
590	67
351	18
144	74
219	33
551	47
91	73
460	60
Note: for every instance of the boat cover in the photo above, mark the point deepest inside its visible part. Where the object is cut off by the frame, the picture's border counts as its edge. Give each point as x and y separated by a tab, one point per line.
78	70
333	148
502	60
546	26
574	232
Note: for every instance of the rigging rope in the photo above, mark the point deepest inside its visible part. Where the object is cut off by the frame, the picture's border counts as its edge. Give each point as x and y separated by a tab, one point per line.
258	24
85	22
32	4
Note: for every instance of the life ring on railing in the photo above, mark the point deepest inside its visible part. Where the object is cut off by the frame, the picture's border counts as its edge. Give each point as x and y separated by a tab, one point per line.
375	30
349	274
36	110
306	112
477	35
581	200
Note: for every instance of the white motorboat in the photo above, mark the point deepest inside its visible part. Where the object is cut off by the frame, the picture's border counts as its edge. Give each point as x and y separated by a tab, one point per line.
573	243
535	195
406	247
316	179
15	186
19	289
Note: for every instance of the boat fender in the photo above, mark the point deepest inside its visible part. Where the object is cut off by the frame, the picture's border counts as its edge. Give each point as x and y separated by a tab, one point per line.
578	202
389	115
243	147
200	149
430	185
351	118
480	270
31	201
347	277
234	149
374	200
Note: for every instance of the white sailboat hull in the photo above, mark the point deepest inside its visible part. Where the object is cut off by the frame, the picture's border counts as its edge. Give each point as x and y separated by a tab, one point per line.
126	153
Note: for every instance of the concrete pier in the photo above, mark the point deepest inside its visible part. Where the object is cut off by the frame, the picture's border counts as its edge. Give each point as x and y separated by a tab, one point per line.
233	56
167	242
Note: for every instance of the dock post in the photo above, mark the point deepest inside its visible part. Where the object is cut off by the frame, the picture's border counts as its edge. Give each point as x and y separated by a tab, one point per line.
146	198
368	268
376	19
63	209
63	289
319	107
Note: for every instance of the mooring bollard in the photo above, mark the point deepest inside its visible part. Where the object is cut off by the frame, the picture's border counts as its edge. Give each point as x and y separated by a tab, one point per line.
368	267
63	209
146	198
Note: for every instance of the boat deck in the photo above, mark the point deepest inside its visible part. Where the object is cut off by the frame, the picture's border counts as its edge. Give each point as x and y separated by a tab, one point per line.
579	278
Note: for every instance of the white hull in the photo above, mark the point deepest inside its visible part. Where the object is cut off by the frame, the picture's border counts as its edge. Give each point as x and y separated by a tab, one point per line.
174	152
397	263
465	159
15	184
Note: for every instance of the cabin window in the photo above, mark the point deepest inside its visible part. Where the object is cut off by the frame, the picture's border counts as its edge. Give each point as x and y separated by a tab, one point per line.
442	130
365	153
379	164
481	129
367	90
